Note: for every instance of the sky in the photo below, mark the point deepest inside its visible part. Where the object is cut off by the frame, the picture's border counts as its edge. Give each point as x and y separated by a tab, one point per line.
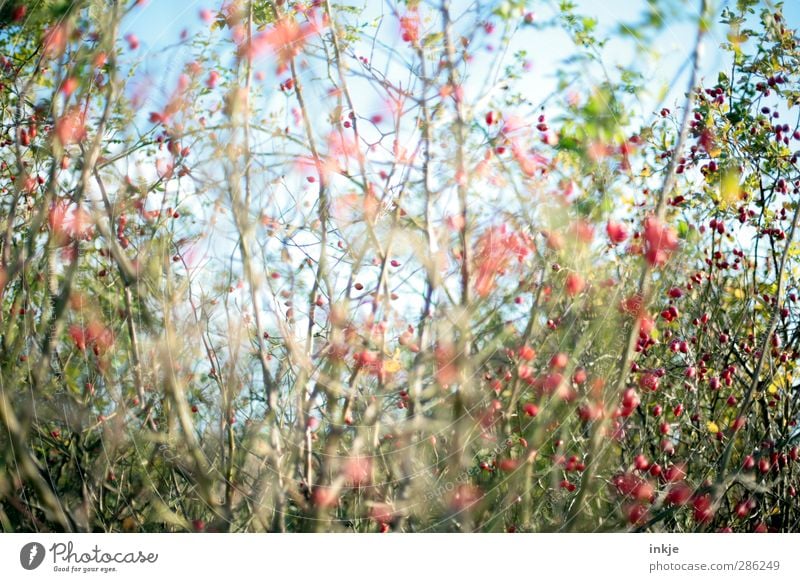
159	24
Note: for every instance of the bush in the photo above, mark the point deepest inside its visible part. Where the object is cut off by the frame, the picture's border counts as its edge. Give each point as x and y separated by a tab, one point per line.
346	276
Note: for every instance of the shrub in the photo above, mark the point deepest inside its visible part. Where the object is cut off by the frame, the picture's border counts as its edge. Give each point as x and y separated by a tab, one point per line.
345	276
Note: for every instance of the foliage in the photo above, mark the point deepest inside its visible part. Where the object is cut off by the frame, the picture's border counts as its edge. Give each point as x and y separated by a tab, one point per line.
346	276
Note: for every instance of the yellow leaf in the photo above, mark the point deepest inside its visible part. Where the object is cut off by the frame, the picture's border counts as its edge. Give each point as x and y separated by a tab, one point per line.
628	200
392	366
778	381
729	187
712	427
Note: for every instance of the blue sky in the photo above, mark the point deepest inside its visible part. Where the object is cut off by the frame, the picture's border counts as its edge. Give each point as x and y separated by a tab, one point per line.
160	23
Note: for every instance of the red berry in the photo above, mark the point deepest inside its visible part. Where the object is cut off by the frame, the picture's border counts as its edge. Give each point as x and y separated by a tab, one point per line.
574	284
649	382
636	513
507	465
530	409
559	361
617	232
679	494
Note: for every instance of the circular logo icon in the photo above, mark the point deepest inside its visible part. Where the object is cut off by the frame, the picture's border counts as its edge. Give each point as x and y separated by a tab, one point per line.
31	555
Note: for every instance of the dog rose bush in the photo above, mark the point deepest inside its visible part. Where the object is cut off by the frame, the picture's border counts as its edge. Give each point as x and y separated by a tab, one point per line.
333	267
